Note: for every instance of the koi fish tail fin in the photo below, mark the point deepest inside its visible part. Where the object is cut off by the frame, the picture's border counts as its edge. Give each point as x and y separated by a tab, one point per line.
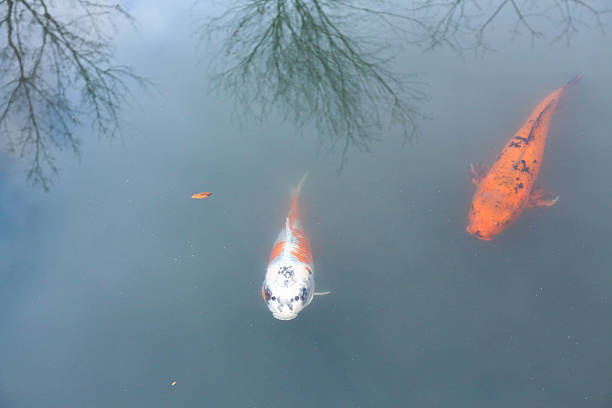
294	212
573	81
569	84
296	190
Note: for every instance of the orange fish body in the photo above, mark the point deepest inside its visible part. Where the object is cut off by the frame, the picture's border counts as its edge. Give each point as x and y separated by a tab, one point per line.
288	286
508	187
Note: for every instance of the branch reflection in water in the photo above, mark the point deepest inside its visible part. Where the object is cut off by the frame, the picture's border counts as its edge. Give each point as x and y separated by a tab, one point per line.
49	53
315	61
326	61
464	24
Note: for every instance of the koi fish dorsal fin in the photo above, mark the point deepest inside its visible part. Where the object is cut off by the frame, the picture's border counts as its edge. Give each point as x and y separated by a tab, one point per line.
479	171
288	231
541	198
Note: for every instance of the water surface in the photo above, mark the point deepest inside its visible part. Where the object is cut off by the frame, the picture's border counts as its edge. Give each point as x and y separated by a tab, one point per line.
116	283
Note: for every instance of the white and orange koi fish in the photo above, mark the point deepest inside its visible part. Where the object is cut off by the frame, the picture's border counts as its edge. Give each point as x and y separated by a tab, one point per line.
289	283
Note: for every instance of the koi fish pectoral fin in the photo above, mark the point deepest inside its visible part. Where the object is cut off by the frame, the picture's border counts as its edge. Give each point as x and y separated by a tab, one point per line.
479	171
541	198
322	293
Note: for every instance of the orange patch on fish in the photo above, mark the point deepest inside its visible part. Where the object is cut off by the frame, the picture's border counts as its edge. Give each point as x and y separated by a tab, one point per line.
205	194
301	254
277	250
294	212
302	248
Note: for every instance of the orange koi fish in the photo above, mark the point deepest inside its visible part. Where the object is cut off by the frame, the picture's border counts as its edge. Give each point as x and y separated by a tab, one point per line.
205	194
508	187
288	286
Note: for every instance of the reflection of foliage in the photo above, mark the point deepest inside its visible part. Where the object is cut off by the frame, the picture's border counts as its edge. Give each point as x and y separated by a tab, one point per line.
46	54
297	56
462	24
309	59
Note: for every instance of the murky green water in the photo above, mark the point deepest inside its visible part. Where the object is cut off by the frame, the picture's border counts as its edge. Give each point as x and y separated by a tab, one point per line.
116	283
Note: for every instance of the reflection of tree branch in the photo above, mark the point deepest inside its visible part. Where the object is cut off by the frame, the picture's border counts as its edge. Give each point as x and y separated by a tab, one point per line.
44	58
462	24
297	56
305	57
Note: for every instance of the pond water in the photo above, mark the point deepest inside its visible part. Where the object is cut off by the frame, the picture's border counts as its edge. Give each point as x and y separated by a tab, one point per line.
116	283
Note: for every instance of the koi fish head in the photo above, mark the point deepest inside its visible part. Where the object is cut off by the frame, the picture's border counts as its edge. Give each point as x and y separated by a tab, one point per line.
485	225
480	232
287	290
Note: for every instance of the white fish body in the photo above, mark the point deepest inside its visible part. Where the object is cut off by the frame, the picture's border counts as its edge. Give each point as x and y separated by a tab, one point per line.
288	286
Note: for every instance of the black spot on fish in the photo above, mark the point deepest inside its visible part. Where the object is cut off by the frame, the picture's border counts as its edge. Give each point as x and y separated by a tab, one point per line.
515	144
286	271
518	187
304	295
522	139
521	165
536	123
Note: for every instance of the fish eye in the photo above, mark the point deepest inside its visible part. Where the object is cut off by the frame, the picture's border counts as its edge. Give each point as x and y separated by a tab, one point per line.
273	297
297	298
